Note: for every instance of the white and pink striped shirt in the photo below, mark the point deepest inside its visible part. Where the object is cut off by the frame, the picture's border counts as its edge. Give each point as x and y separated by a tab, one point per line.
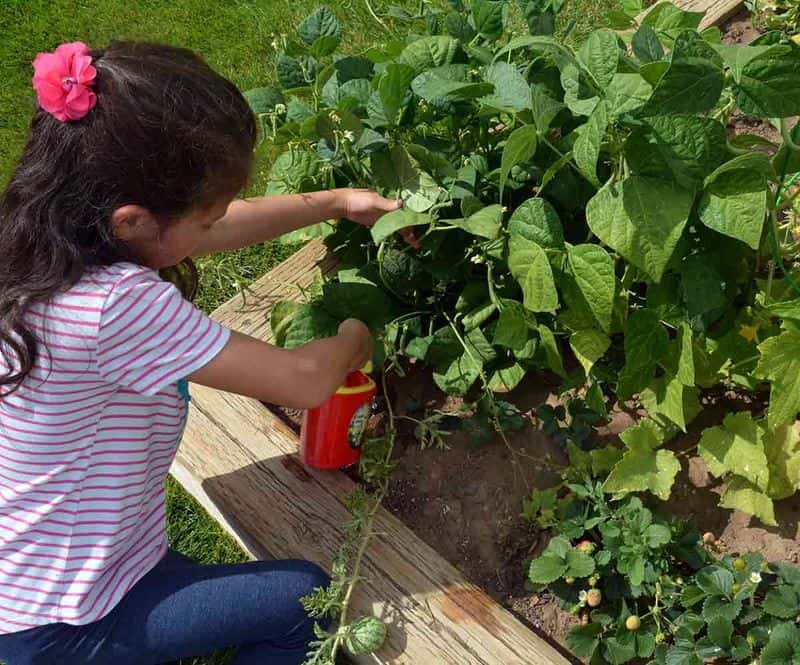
87	441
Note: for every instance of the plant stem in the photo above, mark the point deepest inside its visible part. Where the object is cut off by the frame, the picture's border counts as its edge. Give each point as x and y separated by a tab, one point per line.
368	530
375	16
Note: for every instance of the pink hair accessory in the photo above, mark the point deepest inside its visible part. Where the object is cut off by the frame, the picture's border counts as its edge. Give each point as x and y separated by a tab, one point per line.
63	81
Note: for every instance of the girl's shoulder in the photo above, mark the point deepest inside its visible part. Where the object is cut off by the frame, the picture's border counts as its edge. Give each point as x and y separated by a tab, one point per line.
107	278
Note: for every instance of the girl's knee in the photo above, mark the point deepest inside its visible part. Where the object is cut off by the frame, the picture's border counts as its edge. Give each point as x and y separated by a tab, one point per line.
311	575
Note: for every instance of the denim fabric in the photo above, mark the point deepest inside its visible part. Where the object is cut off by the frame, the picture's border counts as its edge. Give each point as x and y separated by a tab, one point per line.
182	609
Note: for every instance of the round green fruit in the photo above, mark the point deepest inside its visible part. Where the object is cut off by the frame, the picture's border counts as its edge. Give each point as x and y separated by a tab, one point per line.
633	622
739	564
736	587
569	580
366	635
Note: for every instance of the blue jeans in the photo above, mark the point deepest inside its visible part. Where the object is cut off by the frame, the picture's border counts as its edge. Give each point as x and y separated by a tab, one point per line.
182	609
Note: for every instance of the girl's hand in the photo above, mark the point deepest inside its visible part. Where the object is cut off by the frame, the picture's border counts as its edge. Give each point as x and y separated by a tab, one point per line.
365	207
362	338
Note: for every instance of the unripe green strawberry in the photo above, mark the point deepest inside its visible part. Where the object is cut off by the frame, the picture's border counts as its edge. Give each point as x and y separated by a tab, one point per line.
594	597
366	635
736	587
569	580
739	564
633	622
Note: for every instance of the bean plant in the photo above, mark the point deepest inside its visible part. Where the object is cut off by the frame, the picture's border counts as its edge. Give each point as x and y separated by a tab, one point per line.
581	210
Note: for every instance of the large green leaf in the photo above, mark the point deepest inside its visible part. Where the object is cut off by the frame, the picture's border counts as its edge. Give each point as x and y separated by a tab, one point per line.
599	54
310	322
484	223
767	84
735	204
584	640
295	72
780	364
395	171
530	267
489	16
666	18
646	45
442	84
283	313
590	137
627	93
392	89
737	447
742	495
783	647
429	52
642	470
537	220
783	459
692	146
669	398
322	23
694	81
506	378
511	91
642	218
593	270
457	377
547	569
357	300
513	329
589	346
295	171
520	147
645	344
264	100
396	220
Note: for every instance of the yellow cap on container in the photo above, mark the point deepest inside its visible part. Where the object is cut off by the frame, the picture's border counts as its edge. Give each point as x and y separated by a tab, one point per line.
367	368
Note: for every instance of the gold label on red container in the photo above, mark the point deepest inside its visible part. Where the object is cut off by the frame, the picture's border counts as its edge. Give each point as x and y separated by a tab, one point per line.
358	425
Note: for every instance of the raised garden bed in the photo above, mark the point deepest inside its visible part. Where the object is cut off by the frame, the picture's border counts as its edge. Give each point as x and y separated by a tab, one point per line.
627	359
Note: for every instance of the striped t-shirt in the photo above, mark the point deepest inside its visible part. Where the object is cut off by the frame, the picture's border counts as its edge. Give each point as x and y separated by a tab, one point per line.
87	441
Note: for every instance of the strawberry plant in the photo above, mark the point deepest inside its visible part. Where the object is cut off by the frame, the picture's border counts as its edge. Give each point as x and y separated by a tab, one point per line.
649	589
580	210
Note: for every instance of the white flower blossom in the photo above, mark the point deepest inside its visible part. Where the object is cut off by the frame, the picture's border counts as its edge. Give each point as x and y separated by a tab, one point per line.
280	108
336	118
349	136
755	578
583	595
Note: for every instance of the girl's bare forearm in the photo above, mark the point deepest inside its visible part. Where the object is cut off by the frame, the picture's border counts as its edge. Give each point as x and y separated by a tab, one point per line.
256	220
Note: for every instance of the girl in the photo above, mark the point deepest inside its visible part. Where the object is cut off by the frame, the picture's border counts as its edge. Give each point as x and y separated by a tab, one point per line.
135	153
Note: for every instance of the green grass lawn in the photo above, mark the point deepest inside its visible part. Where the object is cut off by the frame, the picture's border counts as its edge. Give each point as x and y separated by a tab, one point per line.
234	36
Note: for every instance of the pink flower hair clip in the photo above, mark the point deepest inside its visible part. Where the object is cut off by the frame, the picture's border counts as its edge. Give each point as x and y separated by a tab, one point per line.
63	81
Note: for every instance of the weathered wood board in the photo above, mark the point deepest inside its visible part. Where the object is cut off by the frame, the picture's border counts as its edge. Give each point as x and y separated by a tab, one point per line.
240	460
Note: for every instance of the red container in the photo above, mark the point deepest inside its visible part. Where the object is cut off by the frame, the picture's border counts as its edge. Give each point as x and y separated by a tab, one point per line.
332	433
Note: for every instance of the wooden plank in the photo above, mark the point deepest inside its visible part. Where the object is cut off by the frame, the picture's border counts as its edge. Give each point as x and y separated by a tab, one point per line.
716	11
240	461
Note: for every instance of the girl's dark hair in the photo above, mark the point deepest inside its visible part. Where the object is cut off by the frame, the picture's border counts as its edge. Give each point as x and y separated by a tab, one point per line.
168	133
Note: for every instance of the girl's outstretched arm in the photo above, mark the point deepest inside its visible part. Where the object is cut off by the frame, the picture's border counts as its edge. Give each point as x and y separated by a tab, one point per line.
300	378
251	221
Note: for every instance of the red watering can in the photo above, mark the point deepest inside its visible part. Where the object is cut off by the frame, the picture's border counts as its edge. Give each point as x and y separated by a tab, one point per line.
332	433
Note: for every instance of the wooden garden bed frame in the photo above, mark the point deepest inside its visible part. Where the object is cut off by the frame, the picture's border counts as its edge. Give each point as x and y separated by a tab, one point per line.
239	460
